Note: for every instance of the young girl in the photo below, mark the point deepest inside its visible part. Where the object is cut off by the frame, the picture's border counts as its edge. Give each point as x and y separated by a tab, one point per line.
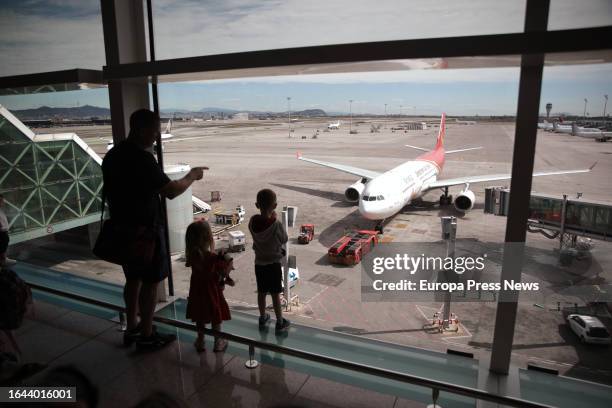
209	270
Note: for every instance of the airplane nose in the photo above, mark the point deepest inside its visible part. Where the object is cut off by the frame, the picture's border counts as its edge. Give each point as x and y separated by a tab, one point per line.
370	211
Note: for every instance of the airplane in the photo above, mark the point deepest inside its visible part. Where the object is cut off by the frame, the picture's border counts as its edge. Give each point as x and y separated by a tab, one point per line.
382	195
545	126
557	128
164	136
333	126
591	133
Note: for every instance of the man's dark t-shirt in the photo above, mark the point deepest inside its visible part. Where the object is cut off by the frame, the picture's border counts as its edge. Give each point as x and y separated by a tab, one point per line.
132	180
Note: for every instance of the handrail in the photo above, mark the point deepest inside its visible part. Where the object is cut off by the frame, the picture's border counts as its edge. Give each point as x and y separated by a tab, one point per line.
318	358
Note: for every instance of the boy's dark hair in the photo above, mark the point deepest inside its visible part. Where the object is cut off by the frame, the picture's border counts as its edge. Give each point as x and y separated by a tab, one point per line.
142	119
266	199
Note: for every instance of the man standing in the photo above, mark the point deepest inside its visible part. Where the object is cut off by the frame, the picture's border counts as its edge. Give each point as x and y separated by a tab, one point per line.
4	236
133	184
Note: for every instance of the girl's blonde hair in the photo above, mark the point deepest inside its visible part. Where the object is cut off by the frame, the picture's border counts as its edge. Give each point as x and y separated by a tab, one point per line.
198	240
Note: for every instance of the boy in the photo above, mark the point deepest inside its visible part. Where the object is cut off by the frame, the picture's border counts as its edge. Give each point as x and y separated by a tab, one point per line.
4	236
269	236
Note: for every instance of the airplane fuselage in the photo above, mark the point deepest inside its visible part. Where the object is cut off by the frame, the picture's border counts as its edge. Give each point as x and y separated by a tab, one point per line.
382	195
386	195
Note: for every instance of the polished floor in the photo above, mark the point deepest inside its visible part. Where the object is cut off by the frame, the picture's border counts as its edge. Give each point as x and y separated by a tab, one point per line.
59	336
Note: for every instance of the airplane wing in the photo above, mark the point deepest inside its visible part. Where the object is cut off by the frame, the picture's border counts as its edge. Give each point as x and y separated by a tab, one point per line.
447	151
496	177
463	150
341	167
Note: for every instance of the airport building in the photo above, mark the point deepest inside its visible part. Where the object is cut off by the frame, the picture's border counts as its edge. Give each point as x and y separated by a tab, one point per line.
379	353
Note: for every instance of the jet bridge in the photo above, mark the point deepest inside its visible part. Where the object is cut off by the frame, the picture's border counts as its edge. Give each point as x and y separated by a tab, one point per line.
575	216
558	216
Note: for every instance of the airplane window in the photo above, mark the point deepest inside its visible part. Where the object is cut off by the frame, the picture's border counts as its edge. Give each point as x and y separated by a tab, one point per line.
366	198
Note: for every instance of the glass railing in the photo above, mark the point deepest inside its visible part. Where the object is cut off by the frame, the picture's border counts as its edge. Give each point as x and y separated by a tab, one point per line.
402	371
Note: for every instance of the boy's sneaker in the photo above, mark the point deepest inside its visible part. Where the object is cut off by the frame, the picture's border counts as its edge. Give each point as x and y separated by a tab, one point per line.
155	340
263	320
130	336
282	326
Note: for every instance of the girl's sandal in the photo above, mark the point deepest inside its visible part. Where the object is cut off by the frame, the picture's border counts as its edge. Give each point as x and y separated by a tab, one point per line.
199	346
220	345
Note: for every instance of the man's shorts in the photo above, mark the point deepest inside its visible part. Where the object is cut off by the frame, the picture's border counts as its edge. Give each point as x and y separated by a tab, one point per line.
269	278
159	269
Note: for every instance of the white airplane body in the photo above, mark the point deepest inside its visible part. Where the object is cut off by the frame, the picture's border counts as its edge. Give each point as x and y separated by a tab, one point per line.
164	136
591	133
557	128
382	195
545	126
334	126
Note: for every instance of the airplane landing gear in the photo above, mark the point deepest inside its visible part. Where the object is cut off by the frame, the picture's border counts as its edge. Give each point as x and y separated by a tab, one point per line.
446	199
379	227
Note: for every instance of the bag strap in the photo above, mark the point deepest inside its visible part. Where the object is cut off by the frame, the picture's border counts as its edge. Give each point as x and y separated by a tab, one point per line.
103	204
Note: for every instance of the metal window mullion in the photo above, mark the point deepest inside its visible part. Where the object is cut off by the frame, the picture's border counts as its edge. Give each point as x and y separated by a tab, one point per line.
87	188
59	164
61	204
46	172
24	213
77	181
48	218
96	196
38	184
80	172
13	165
530	87
159	147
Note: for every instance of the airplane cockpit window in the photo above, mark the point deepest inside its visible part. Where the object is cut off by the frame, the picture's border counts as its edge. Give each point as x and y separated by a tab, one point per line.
365	198
380	198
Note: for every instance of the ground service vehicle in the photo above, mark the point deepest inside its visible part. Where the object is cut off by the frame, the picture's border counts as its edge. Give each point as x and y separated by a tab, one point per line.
236	241
352	247
306	233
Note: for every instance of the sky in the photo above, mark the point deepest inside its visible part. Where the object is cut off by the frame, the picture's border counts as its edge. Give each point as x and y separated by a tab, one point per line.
47	35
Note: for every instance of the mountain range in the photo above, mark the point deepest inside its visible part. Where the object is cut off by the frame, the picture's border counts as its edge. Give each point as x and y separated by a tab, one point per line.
88	111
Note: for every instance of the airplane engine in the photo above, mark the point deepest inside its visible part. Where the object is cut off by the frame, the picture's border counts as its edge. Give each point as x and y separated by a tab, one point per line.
353	192
465	201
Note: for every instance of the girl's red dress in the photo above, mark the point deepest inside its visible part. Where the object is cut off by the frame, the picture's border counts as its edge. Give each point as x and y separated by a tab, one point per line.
206	303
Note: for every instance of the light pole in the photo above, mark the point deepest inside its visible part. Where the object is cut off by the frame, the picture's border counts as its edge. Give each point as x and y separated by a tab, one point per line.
289	111
585	105
386	109
350	115
400	111
605	106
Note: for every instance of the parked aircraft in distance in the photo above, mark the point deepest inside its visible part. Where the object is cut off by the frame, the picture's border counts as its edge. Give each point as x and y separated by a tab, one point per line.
591	133
334	126
382	195
559	128
164	136
545	126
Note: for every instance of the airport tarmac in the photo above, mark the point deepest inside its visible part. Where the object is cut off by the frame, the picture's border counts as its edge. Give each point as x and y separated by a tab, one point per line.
251	155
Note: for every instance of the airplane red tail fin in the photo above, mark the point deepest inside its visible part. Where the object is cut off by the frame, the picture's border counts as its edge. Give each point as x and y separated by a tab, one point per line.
441	132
